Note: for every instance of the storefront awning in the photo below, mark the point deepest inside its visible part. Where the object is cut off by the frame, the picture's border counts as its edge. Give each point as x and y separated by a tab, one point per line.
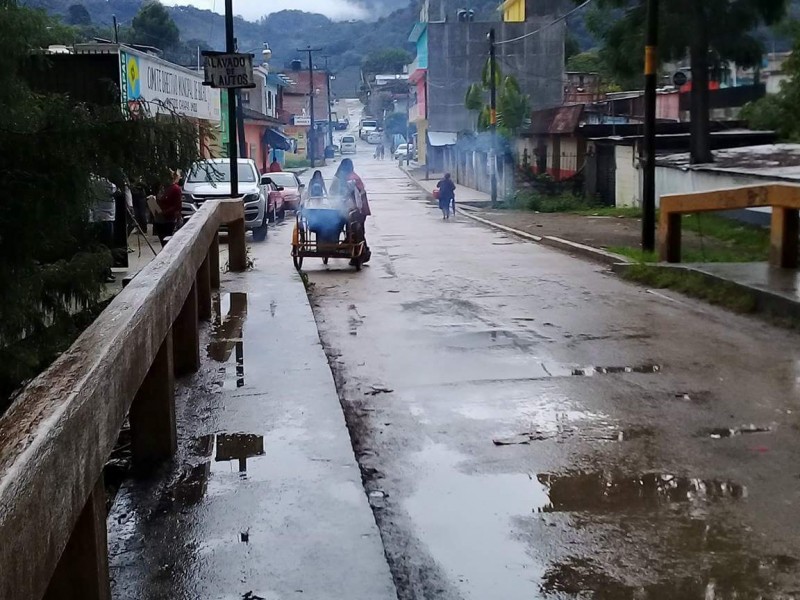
441	138
275	139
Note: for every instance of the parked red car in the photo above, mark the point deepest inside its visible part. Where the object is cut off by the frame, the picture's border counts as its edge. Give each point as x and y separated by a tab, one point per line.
276	206
292	188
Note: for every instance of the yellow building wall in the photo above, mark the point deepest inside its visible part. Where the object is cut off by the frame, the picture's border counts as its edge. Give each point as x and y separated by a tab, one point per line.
514	11
422	142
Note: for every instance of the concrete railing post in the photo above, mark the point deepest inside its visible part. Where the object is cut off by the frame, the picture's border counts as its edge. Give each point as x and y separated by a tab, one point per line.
204	290
237	248
152	415
669	236
783	237
82	570
186	337
213	261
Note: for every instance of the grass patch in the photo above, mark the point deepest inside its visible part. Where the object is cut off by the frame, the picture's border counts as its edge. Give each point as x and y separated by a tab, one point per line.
743	242
547	204
692	284
721	240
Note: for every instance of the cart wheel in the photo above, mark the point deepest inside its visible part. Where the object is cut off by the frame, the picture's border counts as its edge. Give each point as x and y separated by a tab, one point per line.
325	261
298	261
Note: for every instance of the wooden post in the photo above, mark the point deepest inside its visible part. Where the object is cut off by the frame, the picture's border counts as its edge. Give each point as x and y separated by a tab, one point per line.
186	337
669	236
237	248
204	290
82	570
783	237
152	416
213	261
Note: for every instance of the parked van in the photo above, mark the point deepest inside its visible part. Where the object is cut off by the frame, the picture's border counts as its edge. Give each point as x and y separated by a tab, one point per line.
348	144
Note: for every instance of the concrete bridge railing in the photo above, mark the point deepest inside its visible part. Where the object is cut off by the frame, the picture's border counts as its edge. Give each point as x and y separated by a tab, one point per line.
58	435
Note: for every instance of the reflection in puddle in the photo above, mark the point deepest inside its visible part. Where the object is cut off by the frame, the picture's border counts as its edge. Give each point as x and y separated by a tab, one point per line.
226	333
589	371
602	491
239	447
192	484
721	432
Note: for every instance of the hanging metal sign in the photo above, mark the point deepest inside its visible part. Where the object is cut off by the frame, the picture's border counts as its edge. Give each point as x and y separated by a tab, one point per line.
228	70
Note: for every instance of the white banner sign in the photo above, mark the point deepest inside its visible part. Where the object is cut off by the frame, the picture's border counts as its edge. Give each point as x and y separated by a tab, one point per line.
229	70
153	86
302	121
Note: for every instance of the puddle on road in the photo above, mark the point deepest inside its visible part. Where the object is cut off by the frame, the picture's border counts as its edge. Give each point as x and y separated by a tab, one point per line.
226	336
730	575
605	492
466	521
718	433
456	514
590	371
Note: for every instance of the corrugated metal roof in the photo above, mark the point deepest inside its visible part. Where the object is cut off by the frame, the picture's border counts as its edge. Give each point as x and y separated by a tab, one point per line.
557	121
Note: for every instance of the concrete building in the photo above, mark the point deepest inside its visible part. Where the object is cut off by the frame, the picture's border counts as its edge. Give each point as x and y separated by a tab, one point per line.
452	53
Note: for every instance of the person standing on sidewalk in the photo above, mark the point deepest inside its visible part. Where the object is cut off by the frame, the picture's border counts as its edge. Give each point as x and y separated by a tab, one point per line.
170	203
447	195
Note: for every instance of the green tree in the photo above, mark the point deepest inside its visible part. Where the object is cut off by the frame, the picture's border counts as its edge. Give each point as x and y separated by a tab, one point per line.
391	60
779	112
513	107
153	26
52	148
712	31
77	14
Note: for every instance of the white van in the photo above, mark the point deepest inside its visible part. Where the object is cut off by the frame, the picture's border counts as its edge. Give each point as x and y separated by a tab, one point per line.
348	145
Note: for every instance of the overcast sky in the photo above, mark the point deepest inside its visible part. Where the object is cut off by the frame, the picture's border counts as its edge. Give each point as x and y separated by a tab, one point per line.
255	9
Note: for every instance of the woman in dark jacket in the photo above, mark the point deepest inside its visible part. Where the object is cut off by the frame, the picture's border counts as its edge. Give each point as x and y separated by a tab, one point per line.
447	195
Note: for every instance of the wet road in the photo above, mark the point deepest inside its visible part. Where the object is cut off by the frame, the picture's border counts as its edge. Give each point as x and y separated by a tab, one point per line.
529	426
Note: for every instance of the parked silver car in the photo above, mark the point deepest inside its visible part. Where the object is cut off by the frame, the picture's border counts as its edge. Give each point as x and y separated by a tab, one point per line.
211	179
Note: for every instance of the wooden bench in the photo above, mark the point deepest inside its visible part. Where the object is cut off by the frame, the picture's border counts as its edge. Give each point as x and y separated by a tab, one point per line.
782	198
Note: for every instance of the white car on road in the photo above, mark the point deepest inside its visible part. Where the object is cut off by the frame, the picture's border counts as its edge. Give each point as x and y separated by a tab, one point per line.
404	150
211	179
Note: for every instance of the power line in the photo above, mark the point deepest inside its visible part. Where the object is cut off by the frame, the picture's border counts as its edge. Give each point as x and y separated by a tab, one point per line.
556	22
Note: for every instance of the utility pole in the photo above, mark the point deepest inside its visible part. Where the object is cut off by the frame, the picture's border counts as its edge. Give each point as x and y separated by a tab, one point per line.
493	116
425	141
408	129
330	119
230	48
649	148
240	116
312	134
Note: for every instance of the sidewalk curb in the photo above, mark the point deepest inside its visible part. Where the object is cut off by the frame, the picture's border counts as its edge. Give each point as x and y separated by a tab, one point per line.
574	248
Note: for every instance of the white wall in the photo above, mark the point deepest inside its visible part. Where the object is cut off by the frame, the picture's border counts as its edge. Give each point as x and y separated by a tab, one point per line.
627	181
670	180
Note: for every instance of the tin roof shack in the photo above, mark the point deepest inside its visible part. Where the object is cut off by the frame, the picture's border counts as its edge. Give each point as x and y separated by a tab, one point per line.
732	167
551	144
613	175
